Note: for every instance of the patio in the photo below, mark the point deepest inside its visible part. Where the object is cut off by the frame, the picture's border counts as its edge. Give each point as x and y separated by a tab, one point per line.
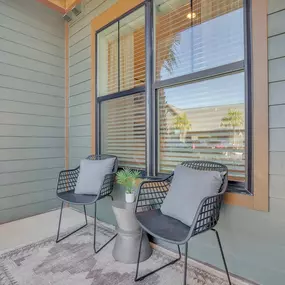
156	83
40	261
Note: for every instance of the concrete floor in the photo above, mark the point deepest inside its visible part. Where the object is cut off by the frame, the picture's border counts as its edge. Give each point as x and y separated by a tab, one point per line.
36	228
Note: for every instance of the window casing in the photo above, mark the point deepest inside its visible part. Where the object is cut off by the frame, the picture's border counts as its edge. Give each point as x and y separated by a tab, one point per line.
193	70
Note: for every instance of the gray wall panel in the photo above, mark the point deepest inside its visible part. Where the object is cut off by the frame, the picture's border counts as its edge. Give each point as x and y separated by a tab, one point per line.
28	210
80	80
24	40
276	93
29	52
275	6
277	69
276	23
32	107
80	67
81	45
27	187
31	164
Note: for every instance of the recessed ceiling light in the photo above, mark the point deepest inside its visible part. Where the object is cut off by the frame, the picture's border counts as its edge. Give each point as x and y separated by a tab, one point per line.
191	15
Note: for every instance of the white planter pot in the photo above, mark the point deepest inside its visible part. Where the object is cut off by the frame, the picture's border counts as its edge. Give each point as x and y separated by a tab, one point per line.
130	197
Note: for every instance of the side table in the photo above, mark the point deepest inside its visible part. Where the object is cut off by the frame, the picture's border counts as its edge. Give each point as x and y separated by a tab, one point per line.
129	232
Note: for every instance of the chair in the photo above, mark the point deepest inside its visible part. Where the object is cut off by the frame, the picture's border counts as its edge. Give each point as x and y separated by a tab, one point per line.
65	192
149	200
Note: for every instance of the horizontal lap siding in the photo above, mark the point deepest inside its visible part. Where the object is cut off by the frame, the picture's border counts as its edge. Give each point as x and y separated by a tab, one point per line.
80	80
32	107
276	55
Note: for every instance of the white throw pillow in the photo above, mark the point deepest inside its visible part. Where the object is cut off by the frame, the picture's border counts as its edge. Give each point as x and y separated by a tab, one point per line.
91	175
188	188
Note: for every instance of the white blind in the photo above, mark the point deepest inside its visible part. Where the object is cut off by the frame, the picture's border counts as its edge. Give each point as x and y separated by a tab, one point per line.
123	130
191	38
108	61
132	50
121	54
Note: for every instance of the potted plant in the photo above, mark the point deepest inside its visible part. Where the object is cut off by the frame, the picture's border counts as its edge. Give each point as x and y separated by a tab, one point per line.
128	178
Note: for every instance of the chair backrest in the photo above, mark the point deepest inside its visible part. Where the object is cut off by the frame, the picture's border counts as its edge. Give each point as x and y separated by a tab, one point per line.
209	166
104	156
209	213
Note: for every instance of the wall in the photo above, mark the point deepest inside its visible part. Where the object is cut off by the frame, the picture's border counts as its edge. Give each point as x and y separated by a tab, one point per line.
31	107
253	241
80	80
80	90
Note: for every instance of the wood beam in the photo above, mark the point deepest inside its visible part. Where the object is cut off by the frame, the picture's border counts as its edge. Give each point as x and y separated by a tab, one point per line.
62	6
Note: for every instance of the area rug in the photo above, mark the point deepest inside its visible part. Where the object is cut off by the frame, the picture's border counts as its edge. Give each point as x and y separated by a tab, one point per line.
73	262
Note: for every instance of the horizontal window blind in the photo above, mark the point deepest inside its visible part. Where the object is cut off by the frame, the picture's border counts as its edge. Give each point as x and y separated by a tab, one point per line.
196	35
132	50
121	54
123	130
203	121
108	61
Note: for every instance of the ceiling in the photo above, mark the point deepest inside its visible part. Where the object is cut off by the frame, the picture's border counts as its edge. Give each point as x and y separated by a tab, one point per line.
62	6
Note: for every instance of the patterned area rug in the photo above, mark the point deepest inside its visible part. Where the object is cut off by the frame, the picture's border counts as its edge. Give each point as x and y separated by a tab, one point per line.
72	262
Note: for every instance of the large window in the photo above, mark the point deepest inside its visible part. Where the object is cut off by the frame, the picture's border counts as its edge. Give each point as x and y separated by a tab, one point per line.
123	129
186	90
200	83
120	89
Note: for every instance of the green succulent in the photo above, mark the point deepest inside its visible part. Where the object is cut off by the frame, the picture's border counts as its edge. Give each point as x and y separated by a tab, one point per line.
127	177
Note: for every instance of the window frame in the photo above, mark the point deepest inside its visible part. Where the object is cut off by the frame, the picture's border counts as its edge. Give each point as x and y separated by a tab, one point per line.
257	59
119	94
211	73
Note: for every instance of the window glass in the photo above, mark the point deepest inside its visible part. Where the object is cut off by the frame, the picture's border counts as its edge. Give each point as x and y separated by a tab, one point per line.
204	121
132	50
123	129
191	38
107	56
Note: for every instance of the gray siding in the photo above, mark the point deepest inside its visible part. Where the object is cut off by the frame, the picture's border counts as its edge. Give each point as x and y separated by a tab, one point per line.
80	80
253	241
31	107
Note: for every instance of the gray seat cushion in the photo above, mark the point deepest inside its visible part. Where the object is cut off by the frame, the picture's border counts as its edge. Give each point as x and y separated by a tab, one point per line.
71	197
92	174
161	226
188	188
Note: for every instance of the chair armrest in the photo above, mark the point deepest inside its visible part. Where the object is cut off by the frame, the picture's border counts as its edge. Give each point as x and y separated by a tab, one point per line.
207	215
108	185
67	180
151	194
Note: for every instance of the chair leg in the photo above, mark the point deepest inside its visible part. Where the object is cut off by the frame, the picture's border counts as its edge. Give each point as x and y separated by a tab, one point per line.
223	256
60	218
152	272
95	231
185	264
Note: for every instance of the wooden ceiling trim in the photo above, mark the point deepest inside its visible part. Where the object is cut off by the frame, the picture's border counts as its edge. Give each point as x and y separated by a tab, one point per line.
62	6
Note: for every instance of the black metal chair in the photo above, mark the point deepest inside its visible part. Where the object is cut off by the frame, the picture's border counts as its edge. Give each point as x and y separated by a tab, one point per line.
150	197
65	192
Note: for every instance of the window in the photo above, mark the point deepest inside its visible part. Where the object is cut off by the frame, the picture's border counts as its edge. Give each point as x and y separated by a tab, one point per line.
244	58
120	89
197	104
200	82
203	121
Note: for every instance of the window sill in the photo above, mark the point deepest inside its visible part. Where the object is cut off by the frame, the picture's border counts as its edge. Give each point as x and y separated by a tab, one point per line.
239	199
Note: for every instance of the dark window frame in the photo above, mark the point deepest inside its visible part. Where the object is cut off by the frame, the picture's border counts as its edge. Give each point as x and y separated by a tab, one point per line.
151	86
119	94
